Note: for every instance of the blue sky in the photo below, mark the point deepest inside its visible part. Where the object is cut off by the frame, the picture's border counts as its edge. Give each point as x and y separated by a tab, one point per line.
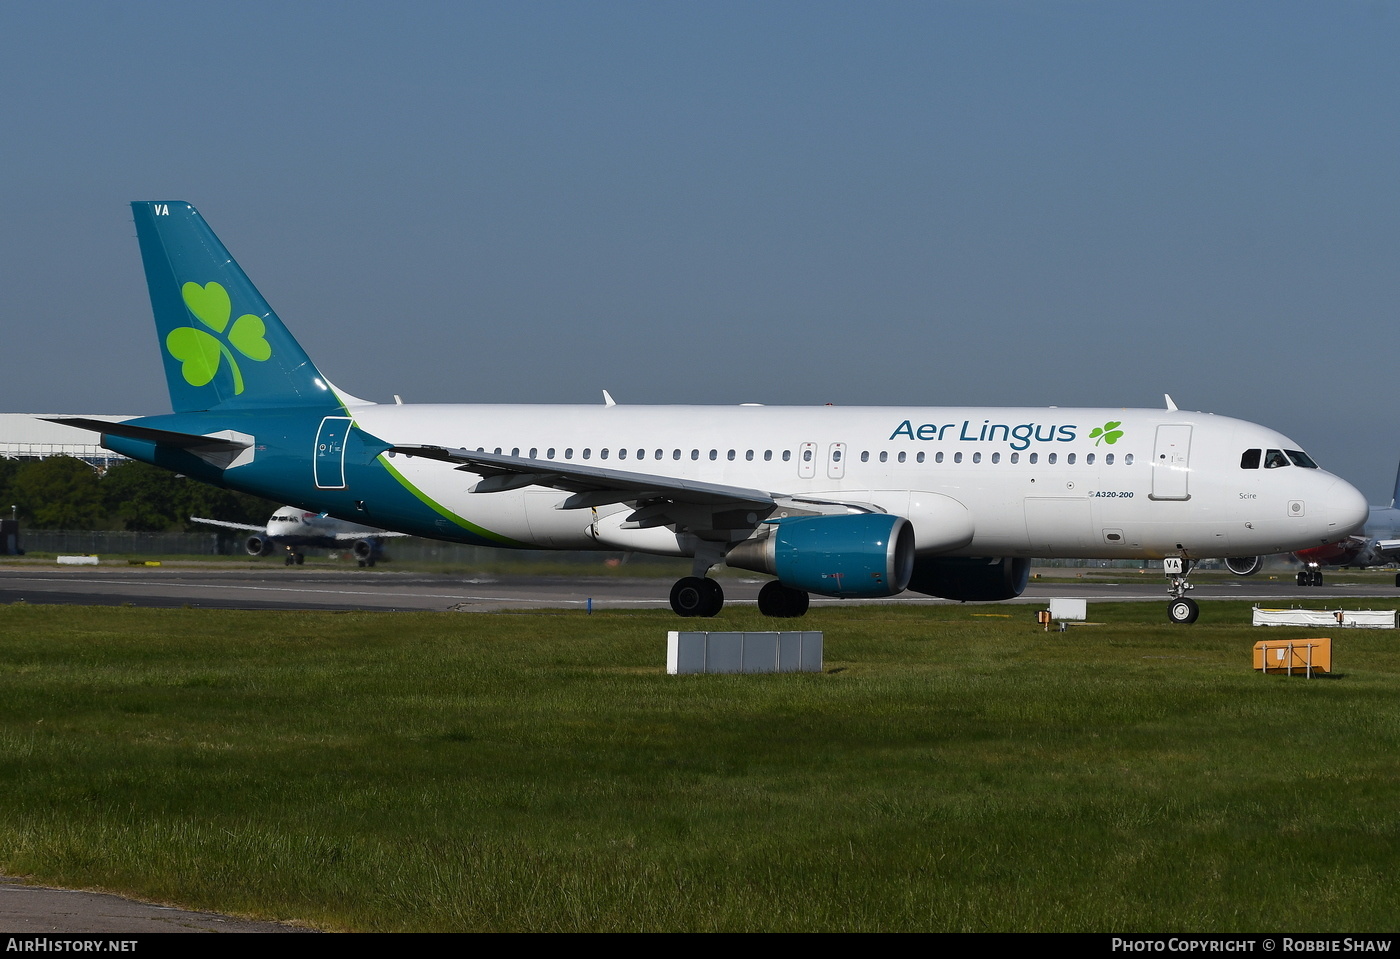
912	204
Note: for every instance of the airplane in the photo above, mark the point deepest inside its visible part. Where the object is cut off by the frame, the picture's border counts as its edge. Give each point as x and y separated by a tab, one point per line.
858	502
1377	544
293	529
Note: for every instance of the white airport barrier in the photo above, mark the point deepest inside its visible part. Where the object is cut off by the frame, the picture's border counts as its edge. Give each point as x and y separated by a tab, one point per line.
77	560
1355	618
797	651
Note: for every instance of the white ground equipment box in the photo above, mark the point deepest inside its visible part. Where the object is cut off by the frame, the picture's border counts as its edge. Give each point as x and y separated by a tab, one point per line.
757	652
1354	618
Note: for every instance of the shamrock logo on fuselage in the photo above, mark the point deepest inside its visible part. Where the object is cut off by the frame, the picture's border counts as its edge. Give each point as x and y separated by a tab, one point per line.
1108	433
202	352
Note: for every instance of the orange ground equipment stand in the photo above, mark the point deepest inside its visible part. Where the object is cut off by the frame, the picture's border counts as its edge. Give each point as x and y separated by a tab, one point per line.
1306	656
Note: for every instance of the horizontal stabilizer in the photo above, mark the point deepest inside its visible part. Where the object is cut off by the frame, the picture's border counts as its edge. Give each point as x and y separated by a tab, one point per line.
223	450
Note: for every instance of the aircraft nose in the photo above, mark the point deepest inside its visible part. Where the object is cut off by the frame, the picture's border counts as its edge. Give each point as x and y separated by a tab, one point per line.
1347	510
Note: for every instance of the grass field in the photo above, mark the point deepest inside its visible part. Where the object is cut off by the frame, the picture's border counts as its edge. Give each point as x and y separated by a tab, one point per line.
954	768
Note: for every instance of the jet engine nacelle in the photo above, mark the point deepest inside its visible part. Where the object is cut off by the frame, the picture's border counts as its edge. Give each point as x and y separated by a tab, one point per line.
258	546
975	579
851	555
363	549
1244	565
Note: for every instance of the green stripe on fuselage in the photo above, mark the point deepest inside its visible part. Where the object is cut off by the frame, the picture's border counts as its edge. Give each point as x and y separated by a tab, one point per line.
446	513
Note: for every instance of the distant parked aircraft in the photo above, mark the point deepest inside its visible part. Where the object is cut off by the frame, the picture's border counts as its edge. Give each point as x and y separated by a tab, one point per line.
1378	544
295	529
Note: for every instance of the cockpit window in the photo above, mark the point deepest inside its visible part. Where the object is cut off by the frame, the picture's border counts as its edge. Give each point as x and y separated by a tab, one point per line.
1249	460
1302	459
1273	459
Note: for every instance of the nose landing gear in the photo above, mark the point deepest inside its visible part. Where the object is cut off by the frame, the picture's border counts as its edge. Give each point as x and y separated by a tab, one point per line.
1181	609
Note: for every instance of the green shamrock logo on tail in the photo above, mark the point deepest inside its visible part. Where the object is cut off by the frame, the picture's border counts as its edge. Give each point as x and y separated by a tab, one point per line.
202	352
1108	433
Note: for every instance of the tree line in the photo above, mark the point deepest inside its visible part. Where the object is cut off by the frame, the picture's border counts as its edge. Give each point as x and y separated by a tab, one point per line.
61	492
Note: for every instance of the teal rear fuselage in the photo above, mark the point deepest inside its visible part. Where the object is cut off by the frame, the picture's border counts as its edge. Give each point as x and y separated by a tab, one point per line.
291	461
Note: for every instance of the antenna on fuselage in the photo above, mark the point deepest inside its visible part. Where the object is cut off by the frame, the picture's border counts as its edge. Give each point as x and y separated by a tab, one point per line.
1171	403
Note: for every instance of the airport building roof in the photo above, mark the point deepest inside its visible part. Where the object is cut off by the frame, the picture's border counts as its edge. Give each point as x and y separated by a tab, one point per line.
30	436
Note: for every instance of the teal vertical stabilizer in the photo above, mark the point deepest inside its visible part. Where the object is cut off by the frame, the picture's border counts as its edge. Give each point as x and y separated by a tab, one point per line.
223	346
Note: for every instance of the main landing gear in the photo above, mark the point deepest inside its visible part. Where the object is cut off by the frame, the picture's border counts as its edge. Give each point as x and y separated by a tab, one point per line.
1180	609
696	596
295	559
1312	576
701	596
782	602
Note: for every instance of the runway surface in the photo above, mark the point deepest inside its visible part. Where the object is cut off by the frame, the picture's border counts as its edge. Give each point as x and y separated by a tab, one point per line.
280	587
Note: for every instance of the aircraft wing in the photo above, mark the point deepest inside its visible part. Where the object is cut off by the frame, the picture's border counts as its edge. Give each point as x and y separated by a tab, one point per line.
591	485
367	534
227	525
655	500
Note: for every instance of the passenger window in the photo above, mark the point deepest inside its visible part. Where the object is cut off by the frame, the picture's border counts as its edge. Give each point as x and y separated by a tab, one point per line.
1249	459
884	457
602	454
957	457
806	456
1108	459
901	456
767	456
533	451
587	452
621	454
1034	457
865	456
787	455
695	454
515	452
1089	459
569	453
1015	457
550	454
731	456
1070	459
977	457
714	455
996	457
1050	459
1127	459
919	458
748	455
938	457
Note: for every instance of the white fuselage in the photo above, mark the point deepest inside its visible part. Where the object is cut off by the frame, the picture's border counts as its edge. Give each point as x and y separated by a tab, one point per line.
973	481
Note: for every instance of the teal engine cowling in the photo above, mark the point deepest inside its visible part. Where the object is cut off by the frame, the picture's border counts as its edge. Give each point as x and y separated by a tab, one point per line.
970	579
851	555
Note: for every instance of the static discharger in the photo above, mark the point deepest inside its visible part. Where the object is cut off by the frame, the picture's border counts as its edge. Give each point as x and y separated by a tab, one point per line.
1305	656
